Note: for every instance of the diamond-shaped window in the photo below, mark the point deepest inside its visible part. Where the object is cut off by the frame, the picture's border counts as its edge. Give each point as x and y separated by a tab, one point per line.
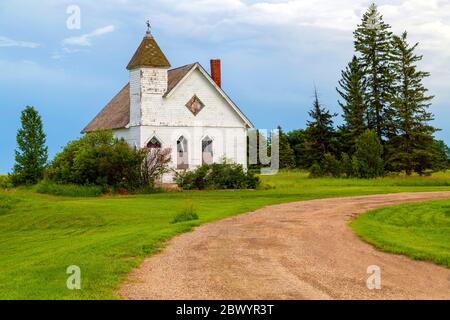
195	105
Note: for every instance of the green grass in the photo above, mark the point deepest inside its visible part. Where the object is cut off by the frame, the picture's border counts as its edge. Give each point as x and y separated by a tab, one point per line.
68	190
420	231
41	235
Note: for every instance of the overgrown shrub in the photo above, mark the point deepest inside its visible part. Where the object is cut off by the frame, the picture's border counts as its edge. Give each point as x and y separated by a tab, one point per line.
188	214
217	176
331	166
5	182
155	164
346	165
100	159
316	171
68	190
328	167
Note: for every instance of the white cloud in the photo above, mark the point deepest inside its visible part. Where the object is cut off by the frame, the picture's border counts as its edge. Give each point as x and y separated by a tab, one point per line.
7	42
85	40
426	20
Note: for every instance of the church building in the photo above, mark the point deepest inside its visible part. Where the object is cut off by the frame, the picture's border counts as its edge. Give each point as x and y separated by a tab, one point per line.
184	109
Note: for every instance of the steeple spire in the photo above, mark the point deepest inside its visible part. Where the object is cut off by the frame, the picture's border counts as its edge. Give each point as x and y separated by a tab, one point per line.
149	29
149	53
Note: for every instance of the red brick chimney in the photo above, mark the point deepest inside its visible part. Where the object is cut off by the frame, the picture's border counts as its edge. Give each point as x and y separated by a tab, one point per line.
216	72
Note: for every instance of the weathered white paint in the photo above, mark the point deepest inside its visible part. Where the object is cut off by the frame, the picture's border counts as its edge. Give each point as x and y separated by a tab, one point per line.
168	118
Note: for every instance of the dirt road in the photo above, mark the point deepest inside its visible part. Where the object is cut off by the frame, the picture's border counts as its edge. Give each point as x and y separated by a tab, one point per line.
302	250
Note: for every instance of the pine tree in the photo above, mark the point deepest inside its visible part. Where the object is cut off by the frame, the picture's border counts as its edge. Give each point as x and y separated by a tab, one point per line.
321	133
355	113
411	148
287	156
31	156
373	43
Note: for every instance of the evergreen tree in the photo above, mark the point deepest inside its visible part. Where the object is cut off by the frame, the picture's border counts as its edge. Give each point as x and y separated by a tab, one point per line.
355	113
31	156
442	152
321	134
297	139
287	156
373	43
367	161
411	148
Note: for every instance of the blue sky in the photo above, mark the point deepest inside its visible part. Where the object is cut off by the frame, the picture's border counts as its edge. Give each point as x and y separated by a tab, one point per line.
273	52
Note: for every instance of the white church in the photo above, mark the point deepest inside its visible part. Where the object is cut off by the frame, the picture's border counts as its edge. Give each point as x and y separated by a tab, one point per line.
184	109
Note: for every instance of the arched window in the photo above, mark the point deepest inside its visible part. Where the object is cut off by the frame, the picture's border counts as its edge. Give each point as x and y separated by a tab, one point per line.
182	153
207	150
154	143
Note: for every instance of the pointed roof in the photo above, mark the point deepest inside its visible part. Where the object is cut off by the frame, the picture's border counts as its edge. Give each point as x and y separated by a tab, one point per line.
116	114
149	54
176	75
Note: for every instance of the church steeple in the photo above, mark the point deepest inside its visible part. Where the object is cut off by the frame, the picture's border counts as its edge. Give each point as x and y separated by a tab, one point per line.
148	81
149	54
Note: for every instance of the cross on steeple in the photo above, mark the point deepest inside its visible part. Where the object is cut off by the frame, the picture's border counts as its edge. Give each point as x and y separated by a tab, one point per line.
149	27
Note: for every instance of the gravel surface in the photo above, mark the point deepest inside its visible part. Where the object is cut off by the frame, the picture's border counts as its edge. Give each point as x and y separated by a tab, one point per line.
301	250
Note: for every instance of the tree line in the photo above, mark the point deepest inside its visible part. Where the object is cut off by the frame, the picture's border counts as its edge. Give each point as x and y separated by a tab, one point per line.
385	110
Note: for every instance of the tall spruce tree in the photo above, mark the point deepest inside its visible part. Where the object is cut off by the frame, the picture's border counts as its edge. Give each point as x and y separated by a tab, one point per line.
320	132
355	114
411	148
373	40
31	155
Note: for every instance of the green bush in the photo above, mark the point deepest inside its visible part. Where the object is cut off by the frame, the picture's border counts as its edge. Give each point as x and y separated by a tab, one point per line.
346	165
6	182
316	171
218	176
188	214
68	190
98	159
331	166
328	167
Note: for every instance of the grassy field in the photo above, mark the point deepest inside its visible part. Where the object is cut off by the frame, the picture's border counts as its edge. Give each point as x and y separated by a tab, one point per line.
40	235
420	231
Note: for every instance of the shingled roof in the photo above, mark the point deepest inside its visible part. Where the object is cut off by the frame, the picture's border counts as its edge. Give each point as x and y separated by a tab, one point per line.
149	54
174	76
116	114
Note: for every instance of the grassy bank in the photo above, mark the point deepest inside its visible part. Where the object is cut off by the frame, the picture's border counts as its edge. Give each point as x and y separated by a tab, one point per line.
420	231
41	235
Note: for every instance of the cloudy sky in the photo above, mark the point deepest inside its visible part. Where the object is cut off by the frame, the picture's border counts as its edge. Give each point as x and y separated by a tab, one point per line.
273	54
